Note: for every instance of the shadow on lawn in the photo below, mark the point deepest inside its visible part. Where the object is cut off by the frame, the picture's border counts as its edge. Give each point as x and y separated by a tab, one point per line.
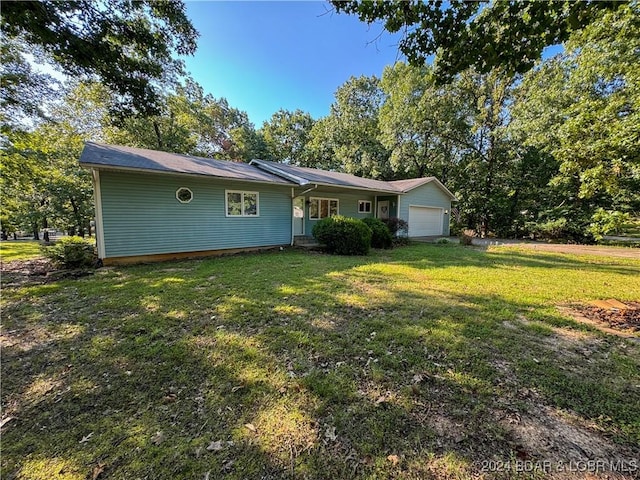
313	368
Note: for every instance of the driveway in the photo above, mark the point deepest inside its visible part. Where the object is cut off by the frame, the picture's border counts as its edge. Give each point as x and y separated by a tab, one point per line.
621	252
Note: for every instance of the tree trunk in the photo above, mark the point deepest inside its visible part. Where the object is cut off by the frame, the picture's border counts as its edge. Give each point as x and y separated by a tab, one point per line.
156	128
36	234
45	227
76	215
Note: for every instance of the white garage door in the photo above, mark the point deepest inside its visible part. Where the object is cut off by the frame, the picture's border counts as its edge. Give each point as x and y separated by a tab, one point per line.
425	221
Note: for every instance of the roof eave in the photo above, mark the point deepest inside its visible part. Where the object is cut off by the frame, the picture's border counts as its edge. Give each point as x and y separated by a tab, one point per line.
438	182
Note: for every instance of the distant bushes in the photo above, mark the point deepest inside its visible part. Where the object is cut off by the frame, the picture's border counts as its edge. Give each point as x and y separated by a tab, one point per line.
560	229
71	252
381	236
343	235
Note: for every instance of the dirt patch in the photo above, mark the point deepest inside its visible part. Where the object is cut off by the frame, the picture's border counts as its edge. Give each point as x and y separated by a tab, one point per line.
559	440
619	322
19	272
623	319
35	271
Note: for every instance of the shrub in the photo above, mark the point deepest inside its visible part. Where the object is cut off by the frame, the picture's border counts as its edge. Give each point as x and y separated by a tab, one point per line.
397	226
467	237
560	229
71	252
605	222
381	237
344	236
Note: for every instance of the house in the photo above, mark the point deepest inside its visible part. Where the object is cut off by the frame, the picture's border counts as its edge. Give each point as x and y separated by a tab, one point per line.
154	205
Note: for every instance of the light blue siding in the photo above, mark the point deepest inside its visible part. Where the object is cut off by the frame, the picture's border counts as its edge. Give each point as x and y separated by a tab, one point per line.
428	195
141	215
347	205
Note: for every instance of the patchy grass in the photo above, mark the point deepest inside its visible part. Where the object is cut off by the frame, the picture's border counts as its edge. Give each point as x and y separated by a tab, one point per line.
19	250
430	361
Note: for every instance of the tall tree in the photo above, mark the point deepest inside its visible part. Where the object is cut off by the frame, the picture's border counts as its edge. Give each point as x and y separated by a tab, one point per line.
192	122
286	135
128	45
583	108
41	178
506	34
424	126
351	131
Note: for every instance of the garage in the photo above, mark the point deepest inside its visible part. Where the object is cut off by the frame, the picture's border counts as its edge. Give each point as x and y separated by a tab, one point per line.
425	221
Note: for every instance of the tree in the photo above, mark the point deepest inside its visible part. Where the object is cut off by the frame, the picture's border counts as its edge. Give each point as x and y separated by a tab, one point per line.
42	183
286	135
23	91
127	45
506	34
583	108
422	125
348	138
192	122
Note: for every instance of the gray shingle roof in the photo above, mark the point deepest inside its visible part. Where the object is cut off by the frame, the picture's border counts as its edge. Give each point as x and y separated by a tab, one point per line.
324	177
113	156
411	183
127	158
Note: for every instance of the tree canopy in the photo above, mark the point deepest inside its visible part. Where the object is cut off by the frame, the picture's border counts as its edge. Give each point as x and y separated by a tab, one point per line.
128	45
506	34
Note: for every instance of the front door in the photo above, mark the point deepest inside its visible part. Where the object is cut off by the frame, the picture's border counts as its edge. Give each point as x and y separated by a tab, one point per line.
298	216
383	210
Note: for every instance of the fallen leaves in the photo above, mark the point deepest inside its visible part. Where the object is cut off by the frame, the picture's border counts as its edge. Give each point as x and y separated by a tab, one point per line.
215	446
250	426
86	438
218	445
97	471
157	438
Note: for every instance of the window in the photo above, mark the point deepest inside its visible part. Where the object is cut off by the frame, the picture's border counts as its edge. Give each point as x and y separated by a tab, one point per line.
242	204
184	195
364	206
322	208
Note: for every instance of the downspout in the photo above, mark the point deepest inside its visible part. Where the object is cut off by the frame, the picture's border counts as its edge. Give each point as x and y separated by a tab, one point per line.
292	217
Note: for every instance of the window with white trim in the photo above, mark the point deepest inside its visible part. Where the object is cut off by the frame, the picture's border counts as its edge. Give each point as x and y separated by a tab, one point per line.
364	206
242	204
322	208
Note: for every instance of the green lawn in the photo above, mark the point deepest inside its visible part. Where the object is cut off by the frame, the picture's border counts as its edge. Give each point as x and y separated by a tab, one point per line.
19	250
423	362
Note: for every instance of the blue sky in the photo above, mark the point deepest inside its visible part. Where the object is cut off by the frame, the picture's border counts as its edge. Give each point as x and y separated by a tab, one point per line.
263	56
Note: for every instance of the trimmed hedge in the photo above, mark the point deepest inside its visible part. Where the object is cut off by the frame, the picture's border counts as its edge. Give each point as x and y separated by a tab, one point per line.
381	237
343	235
71	252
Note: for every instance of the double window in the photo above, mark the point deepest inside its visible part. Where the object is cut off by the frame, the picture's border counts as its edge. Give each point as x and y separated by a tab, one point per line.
322	208
242	204
364	206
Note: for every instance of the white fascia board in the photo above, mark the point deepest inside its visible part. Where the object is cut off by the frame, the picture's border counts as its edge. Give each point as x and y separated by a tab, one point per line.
97	195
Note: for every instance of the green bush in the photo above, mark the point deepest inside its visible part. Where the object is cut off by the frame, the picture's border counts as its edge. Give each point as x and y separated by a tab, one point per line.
344	236
381	237
397	226
72	252
560	229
